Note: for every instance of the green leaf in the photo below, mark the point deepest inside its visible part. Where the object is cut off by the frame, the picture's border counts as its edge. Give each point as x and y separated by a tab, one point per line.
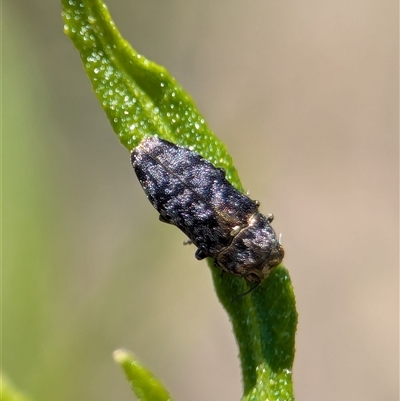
143	382
140	98
8	391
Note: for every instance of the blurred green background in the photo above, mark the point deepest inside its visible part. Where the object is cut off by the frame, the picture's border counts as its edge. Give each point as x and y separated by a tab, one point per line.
305	95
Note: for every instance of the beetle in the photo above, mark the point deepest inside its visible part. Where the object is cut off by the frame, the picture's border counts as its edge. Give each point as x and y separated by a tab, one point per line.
193	195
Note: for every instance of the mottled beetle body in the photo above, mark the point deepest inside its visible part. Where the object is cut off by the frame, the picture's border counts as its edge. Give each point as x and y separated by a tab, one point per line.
224	224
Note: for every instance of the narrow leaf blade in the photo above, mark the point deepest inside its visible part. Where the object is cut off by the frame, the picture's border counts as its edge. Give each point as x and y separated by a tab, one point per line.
141	98
143	383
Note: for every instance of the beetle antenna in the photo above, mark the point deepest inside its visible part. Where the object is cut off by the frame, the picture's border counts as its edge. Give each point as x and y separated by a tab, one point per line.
245	293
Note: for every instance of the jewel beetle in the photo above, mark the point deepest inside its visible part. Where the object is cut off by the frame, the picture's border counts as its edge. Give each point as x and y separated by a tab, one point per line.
193	195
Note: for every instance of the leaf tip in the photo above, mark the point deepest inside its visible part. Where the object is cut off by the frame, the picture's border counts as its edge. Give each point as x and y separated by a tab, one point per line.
122	356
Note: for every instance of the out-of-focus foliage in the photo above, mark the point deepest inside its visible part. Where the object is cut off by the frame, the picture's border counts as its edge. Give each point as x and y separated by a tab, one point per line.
28	213
8	391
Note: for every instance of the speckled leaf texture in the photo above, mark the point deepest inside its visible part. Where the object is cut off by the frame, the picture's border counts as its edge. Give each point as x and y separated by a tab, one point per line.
140	98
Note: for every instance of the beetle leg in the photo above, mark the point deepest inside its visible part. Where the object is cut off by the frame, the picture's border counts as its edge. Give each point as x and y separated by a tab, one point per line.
163	219
200	254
